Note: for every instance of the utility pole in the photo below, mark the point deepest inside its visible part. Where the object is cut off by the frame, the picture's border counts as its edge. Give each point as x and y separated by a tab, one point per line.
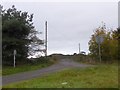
46	38
99	52
79	48
15	52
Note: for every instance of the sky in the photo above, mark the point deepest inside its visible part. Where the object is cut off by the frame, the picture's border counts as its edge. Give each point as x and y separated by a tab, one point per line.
69	23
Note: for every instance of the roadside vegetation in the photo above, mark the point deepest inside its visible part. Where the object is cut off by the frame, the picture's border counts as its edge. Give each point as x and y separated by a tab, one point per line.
101	76
87	59
30	66
19	33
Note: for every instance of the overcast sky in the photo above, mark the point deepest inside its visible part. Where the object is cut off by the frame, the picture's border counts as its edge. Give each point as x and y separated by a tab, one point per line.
69	23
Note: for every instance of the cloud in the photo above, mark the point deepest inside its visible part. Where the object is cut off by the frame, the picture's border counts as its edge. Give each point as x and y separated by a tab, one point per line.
70	23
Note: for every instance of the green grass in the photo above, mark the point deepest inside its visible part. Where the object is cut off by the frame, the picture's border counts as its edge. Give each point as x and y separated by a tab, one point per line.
101	76
8	70
0	72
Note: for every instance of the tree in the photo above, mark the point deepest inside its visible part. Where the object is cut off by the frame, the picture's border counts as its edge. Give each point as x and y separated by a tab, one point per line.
108	47
17	27
118	38
93	46
36	43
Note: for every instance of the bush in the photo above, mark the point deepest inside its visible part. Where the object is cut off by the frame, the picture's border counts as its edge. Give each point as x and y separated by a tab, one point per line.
40	60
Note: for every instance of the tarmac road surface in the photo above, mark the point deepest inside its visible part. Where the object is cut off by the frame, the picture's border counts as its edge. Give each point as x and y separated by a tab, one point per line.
62	64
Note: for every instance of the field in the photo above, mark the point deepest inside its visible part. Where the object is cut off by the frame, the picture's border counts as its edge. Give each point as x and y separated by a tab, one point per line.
101	76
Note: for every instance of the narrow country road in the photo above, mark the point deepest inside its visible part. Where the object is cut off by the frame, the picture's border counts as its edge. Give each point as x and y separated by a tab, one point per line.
62	64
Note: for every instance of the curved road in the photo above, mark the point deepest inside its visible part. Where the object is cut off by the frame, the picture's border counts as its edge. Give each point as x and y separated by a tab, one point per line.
62	64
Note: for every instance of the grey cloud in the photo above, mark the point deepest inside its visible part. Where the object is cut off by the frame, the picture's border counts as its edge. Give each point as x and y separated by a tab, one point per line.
70	23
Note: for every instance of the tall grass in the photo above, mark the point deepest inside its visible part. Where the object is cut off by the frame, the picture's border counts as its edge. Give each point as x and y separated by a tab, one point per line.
102	76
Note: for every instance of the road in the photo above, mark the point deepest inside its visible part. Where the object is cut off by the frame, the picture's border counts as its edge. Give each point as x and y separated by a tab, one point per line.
62	64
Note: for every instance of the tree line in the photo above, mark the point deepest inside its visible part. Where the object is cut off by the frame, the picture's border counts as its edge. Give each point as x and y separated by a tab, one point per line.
109	46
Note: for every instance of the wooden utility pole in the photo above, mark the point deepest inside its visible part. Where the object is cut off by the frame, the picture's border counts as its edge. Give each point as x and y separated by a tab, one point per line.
79	48
46	38
14	56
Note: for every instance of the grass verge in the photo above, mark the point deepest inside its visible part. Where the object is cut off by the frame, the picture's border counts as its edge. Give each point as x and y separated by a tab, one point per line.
102	76
8	70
